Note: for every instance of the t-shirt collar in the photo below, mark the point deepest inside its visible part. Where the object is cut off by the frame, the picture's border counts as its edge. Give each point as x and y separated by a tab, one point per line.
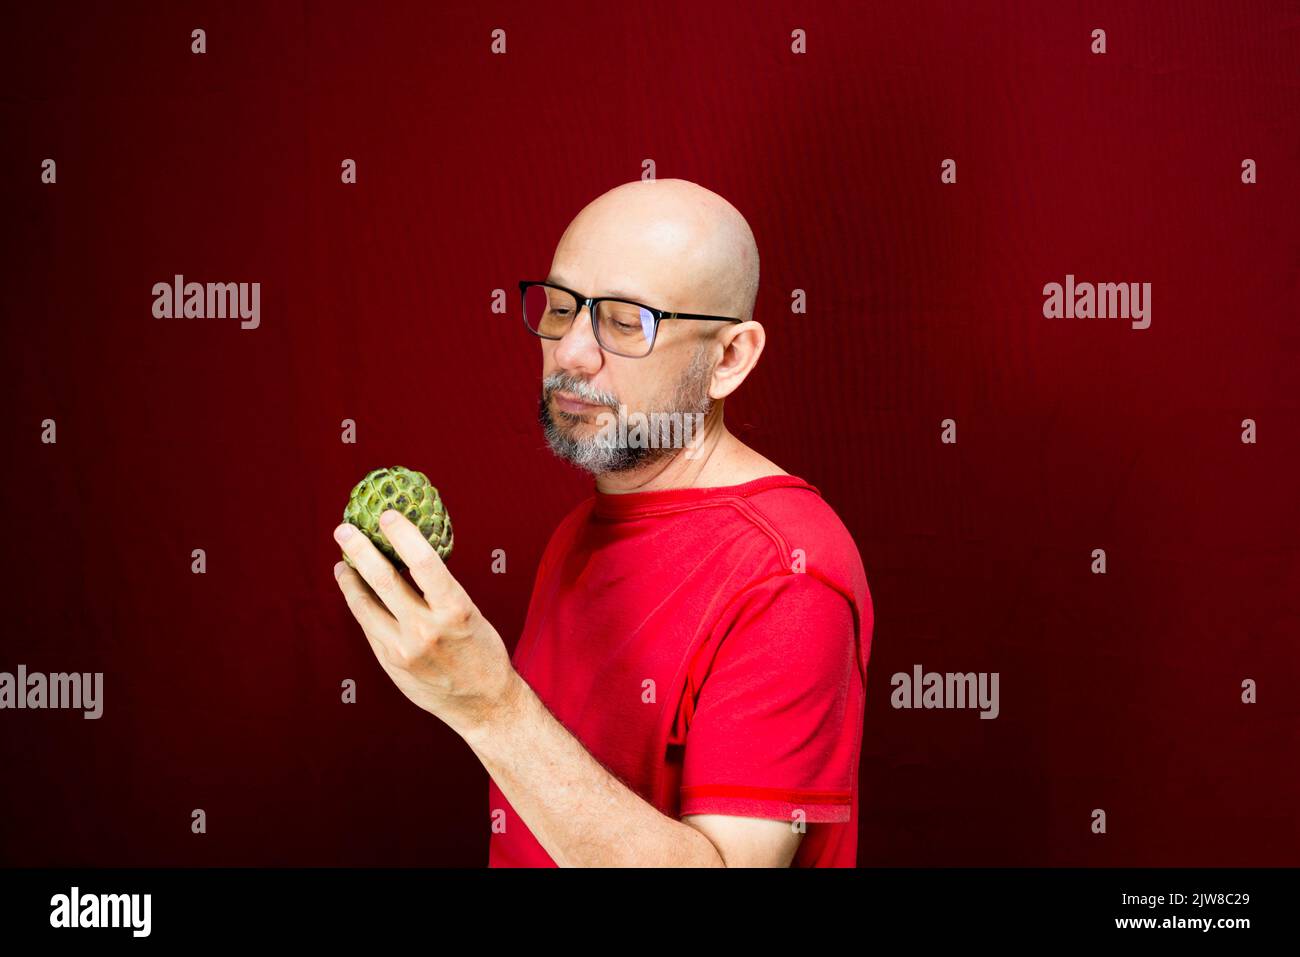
632	504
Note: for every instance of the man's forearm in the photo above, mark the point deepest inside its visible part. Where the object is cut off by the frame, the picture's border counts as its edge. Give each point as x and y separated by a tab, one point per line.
580	813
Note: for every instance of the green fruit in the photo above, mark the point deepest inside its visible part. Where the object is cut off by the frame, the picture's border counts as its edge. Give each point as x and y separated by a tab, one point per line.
408	492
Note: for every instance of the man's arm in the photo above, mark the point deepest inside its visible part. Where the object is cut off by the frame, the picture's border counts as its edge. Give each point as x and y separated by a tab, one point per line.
583	816
447	658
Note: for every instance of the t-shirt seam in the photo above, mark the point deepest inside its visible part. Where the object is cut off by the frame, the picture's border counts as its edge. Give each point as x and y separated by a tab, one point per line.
827	796
784	544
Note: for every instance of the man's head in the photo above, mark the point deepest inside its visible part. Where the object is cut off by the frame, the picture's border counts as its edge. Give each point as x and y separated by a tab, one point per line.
672	245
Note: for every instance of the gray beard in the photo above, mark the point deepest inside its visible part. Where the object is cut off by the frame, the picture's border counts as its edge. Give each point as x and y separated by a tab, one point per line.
597	457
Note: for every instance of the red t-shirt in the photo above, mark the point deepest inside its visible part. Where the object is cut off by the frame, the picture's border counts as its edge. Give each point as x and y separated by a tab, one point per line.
709	647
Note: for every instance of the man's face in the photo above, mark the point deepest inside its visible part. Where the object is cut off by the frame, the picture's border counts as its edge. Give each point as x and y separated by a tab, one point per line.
580	381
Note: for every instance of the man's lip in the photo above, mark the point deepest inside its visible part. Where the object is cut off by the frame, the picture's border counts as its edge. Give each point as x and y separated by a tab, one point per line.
575	404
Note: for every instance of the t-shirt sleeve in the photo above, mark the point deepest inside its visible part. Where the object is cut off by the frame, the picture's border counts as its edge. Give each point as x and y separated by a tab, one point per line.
777	724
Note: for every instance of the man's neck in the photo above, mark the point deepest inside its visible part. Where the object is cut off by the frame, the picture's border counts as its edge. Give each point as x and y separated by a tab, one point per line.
716	458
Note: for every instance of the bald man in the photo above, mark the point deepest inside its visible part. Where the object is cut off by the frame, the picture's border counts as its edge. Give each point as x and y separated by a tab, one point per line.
689	686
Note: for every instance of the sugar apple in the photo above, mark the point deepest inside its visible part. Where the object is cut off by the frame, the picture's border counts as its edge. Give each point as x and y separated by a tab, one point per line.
408	492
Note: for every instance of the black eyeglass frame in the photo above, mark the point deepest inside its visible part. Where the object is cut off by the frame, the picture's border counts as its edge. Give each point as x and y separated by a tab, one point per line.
590	302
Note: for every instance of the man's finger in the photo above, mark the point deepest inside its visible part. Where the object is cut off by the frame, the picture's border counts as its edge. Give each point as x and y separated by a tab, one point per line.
379	573
379	627
427	568
374	619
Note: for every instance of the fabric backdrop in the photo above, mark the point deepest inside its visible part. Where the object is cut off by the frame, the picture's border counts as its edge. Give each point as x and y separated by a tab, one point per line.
1119	691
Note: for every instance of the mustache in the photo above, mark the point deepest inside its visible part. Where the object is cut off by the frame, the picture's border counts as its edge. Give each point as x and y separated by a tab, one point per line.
564	382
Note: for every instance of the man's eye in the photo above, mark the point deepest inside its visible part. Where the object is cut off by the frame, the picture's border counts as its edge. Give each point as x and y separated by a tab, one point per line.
626	326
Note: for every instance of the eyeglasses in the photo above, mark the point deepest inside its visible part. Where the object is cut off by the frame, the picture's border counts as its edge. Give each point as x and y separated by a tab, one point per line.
620	326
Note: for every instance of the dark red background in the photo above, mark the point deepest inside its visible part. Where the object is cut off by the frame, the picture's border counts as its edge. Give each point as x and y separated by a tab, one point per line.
222	690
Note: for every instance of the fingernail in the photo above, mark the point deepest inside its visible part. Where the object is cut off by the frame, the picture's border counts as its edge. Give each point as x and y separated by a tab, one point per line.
343	532
388	517
338	568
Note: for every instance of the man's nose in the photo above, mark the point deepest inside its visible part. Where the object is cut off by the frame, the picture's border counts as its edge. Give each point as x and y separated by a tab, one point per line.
578	349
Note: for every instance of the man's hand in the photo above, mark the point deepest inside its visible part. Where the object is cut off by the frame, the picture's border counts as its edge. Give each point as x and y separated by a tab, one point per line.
434	644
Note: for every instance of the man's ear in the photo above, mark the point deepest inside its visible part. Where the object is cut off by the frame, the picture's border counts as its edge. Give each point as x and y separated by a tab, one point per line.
742	344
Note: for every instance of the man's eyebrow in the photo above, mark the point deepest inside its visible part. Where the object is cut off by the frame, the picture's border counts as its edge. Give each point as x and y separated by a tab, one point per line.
615	293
